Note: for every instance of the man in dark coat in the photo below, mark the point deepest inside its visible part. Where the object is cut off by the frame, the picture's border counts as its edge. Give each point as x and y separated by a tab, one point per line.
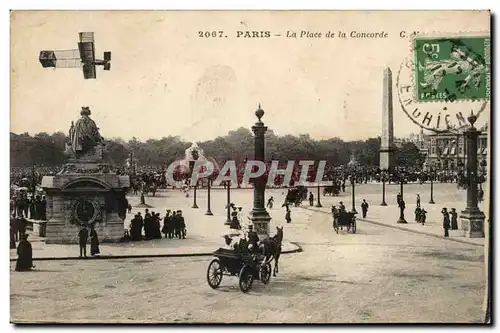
454	221
446	221
253	239
135	228
181	224
402	206
25	255
288	218
423	216
43	209
364	208
175	224
418	211
13	227
32	209
170	225
311	199
157	226
399	197
148	221
166	223
21	226
83	236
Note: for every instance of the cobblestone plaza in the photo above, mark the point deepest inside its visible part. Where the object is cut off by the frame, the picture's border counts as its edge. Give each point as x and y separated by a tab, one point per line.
379	274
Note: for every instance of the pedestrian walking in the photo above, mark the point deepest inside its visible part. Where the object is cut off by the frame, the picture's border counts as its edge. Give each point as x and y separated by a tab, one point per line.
423	216
454	221
270	202
418	200
418	211
364	207
311	199
288	217
446	221
94	241
402	205
83	236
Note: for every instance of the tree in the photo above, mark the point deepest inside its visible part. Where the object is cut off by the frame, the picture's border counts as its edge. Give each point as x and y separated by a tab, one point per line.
409	156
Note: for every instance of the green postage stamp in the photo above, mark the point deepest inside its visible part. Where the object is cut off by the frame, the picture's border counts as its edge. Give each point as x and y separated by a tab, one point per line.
451	69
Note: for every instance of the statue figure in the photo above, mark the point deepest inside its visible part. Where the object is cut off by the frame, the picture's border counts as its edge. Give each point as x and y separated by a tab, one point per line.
84	135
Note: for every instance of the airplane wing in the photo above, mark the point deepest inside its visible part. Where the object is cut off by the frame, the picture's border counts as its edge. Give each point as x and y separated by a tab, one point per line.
86	47
87	54
89	71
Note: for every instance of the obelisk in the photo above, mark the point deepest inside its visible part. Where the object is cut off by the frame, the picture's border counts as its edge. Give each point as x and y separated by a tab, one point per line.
387	137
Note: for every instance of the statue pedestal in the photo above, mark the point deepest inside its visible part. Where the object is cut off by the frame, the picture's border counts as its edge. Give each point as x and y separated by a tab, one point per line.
85	196
472	222
260	220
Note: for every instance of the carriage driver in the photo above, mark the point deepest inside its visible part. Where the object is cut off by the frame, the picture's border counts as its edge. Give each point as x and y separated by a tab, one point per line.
341	207
253	240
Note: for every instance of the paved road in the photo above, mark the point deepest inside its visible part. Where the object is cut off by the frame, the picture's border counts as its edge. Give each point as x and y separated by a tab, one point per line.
377	275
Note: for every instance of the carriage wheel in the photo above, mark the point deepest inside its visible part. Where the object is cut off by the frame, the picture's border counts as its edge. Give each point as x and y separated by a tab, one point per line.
265	273
246	278
214	274
354	226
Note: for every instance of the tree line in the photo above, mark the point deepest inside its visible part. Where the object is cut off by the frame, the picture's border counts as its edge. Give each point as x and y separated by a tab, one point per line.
45	149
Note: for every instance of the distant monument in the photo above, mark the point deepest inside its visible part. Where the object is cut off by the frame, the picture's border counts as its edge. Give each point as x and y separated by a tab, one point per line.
387	147
85	192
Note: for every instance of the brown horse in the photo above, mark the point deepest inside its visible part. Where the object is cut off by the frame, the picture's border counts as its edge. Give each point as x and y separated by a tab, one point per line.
272	248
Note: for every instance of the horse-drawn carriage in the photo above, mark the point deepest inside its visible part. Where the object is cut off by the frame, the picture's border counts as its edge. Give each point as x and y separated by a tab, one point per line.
333	190
248	263
343	219
296	195
246	266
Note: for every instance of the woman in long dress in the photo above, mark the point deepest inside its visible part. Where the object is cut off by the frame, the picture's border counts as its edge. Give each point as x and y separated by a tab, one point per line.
94	241
25	255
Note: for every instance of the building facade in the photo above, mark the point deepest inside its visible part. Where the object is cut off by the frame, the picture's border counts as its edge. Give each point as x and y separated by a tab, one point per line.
447	151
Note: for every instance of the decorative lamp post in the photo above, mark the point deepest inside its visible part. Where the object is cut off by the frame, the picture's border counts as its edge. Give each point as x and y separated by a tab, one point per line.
383	174
472	217
228	188
432	176
259	216
353	183
318	201
191	166
209	211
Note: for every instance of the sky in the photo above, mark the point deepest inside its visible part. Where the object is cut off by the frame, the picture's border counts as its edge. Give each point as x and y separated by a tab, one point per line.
166	80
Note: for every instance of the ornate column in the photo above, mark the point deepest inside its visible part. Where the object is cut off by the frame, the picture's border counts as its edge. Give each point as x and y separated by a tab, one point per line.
259	216
472	217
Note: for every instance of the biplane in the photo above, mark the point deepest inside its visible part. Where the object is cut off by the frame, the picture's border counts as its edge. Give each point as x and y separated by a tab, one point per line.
83	57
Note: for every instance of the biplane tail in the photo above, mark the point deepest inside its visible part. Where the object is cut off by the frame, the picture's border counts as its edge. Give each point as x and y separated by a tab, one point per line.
107	59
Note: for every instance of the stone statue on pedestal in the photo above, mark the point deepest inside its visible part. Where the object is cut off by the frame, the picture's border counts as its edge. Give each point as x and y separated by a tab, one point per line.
84	135
86	192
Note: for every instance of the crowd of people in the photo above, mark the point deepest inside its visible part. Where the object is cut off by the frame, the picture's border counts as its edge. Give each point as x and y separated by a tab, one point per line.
174	226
